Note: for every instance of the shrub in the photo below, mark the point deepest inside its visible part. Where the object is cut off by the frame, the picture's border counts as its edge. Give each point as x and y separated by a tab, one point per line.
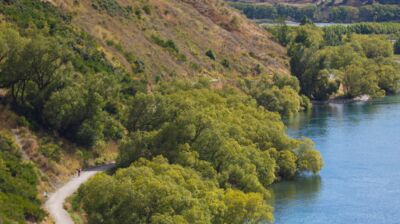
112	7
139	66
147	9
226	63
397	46
210	53
22	121
18	181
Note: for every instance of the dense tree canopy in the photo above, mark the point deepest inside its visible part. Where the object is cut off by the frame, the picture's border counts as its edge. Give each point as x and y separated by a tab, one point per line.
331	63
222	133
157	192
43	83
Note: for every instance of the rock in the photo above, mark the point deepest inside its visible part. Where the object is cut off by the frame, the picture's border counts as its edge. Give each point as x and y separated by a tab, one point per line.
362	98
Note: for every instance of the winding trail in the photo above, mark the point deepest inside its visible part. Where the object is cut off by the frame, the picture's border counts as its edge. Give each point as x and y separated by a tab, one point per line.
54	205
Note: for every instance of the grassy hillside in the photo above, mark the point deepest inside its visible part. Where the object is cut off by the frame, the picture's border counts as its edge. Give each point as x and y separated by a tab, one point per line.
161	39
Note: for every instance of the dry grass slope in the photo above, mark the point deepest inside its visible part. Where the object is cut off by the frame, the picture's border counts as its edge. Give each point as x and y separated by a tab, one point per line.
161	39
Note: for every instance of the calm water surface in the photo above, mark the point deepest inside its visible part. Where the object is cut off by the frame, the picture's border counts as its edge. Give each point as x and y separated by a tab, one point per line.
360	183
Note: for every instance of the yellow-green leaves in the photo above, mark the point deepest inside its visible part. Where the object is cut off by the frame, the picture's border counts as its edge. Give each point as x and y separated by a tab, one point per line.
158	192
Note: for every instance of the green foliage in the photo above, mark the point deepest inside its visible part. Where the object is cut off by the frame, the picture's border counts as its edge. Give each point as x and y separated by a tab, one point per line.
157	192
321	13
170	46
308	160
51	151
373	46
22	121
139	66
285	100
219	142
50	78
397	46
222	133
363	28
277	93
361	64
210	53
226	63
34	70
359	78
18	180
281	33
287	164
78	110
147	9
38	17
264	11
112	7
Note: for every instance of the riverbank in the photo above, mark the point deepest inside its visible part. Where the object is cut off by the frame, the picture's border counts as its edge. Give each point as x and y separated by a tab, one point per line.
269	22
362	98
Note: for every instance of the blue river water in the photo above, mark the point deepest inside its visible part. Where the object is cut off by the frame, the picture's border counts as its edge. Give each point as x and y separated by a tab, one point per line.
360	181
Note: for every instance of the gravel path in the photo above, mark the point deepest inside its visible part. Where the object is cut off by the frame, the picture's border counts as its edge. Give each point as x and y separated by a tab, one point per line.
54	204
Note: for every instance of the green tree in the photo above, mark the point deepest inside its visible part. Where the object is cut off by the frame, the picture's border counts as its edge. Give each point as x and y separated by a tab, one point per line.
221	132
287	164
34	71
360	78
308	159
397	47
373	46
158	192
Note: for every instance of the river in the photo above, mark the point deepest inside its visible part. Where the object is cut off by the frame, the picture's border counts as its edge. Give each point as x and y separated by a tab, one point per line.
360	182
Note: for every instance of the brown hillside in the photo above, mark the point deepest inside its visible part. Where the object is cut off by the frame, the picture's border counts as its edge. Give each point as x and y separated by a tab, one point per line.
137	31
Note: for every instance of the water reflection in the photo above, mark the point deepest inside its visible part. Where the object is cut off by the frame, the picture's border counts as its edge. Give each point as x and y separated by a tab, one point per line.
302	188
315	122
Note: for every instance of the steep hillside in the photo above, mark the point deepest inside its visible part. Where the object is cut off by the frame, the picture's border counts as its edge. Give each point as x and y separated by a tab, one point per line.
162	39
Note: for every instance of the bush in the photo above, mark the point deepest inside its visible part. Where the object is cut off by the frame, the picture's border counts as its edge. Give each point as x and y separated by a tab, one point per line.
51	151
172	194
225	63
285	101
397	47
18	181
112	7
147	9
22	121
211	55
139	66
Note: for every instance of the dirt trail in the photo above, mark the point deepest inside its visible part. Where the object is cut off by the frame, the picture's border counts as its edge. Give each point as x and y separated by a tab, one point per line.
54	205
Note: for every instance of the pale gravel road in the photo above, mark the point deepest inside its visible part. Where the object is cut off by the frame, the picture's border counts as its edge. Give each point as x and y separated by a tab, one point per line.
54	205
